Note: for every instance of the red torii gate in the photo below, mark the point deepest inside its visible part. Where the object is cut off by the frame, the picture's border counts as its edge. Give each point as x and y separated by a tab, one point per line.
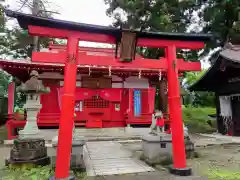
74	32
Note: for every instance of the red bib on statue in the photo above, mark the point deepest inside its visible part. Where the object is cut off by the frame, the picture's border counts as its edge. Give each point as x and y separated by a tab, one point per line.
160	122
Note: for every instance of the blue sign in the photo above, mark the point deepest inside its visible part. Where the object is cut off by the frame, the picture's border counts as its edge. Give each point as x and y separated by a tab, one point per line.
137	102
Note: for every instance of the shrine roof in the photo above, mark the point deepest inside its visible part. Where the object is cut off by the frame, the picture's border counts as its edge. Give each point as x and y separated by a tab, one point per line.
20	68
222	72
25	20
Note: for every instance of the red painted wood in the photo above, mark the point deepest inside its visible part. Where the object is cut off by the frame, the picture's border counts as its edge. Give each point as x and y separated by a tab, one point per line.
154	43
11	90
138	63
144	100
170	64
151	100
175	112
94	37
130	110
64	34
67	113
49	101
96	51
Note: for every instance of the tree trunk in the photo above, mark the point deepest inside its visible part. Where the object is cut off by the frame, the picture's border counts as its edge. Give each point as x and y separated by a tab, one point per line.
35	10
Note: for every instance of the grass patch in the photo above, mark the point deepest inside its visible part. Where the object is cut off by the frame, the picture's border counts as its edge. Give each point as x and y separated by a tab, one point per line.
196	119
218	174
39	173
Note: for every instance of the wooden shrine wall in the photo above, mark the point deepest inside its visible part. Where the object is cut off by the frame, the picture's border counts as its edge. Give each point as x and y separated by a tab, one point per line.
117	110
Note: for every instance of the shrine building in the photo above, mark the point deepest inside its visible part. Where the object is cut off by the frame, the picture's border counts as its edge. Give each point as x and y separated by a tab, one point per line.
109	93
223	78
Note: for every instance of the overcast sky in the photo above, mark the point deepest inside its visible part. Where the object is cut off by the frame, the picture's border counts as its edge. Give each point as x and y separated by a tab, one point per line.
85	11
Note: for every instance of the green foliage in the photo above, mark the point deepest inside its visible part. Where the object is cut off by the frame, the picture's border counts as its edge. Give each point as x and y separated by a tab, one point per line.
19	110
221	18
192	77
17	43
217	174
197	99
196	119
5	79
38	173
151	15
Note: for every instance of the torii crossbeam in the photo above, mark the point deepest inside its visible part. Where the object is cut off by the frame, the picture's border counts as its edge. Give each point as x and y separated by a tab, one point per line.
74	32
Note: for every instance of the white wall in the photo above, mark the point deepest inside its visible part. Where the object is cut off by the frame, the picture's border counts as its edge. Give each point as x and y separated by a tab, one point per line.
130	82
135	82
78	83
118	84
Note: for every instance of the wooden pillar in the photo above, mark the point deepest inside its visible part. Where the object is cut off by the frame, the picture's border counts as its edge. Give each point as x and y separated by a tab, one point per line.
220	126
163	104
175	112
151	98
131	105
11	93
67	111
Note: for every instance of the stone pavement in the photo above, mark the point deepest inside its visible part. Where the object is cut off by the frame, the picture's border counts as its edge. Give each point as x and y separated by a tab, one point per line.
131	135
158	175
110	157
4	153
221	138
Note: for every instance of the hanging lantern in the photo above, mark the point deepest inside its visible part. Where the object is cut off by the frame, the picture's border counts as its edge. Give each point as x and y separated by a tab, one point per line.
89	71
109	71
140	74
160	75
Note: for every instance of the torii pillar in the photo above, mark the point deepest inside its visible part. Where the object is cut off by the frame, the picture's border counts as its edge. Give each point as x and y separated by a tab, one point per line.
67	112
175	112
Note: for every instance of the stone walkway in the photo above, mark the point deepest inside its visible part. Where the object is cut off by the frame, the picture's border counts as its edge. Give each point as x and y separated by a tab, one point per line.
111	158
222	138
157	175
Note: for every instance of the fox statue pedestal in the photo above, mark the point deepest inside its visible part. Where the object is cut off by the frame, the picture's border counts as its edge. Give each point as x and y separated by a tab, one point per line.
157	148
77	161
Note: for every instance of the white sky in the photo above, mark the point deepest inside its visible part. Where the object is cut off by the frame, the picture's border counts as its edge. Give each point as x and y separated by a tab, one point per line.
85	11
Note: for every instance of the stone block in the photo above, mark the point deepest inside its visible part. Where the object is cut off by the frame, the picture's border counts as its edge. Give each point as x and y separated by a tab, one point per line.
158	148
155	148
76	155
28	151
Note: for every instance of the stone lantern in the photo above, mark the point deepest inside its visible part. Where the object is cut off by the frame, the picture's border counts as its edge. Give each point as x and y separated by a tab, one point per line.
29	147
33	88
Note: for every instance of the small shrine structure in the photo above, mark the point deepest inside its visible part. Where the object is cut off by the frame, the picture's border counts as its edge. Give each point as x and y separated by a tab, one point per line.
117	99
223	78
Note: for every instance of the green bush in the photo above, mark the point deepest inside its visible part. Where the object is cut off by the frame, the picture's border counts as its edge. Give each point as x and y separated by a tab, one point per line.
196	119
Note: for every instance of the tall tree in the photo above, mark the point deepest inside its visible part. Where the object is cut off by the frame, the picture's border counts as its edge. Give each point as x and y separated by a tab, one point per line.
151	15
222	19
17	43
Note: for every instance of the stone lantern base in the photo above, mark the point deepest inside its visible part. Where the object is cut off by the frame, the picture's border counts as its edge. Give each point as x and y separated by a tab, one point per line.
28	152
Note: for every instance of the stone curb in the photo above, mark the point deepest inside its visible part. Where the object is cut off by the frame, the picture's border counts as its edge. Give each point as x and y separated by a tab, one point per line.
220	144
50	144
